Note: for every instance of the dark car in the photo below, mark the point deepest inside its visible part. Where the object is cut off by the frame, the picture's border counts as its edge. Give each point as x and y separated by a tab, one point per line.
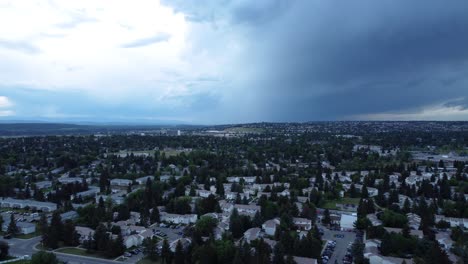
7	236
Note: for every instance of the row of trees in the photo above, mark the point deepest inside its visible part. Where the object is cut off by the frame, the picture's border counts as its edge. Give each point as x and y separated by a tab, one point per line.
104	243
57	232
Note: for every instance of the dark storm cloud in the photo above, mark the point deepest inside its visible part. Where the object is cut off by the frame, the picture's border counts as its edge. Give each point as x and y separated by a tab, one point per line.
335	59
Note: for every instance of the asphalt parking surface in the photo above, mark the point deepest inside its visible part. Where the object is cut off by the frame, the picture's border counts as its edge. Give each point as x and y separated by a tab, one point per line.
172	234
341	243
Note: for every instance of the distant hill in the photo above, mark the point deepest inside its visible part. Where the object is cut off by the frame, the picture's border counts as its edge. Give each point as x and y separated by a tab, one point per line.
41	129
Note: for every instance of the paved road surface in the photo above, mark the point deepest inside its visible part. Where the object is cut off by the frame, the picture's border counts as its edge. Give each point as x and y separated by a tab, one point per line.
21	247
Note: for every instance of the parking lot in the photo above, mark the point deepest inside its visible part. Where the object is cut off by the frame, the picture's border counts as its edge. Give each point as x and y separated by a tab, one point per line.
343	241
171	234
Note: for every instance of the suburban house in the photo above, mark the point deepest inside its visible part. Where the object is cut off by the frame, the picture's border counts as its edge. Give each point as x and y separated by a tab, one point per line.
23	227
92	192
270	226
417	233
121	182
247	209
135	240
249	179
35	205
117	198
252	234
166	178
414	220
302	260
143	180
226	206
302	223
463	222
184	241
178	219
374	220
71	215
43	185
85	233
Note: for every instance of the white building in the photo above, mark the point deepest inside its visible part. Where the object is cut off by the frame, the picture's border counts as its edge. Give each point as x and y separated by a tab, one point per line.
144	179
270	226
347	222
92	192
247	209
302	223
252	234
463	222
35	205
85	233
185	242
121	182
178	219
43	185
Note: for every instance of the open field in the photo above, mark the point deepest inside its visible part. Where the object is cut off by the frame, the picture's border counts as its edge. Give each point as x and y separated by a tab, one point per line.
80	252
331	204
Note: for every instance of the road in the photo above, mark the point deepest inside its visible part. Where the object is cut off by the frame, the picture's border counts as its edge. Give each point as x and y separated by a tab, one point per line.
21	247
341	243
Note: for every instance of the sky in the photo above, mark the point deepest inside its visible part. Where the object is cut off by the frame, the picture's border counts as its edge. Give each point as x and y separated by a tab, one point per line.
233	61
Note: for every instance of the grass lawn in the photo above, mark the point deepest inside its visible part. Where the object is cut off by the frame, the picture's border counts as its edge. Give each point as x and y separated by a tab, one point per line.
28	236
20	262
81	252
147	261
331	204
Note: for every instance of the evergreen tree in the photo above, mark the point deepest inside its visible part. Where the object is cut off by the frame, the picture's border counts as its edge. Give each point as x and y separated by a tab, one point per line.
352	191
12	227
262	252
149	248
278	254
179	257
101	238
70	236
4	248
166	254
257	221
290	260
55	231
117	247
154	217
326	217
43	257
364	192
235	224
406	206
237	258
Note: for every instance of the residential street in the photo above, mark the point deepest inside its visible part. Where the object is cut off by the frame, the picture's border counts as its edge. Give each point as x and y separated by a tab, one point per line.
21	247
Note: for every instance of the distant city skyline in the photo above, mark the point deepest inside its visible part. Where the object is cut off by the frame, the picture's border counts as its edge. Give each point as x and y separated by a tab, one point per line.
233	61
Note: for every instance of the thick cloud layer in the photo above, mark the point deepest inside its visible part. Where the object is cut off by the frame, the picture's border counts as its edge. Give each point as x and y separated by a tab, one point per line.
298	60
311	60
